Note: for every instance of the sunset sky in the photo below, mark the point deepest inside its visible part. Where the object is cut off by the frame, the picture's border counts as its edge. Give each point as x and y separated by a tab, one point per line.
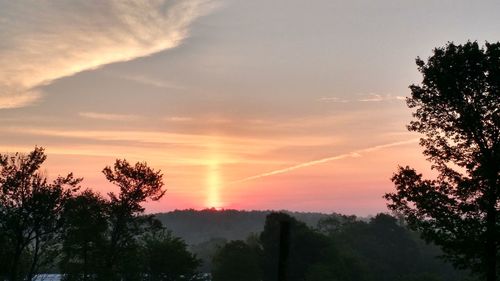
261	104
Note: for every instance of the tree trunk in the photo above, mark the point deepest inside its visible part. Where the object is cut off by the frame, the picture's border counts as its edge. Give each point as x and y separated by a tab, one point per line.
491	244
34	262
13	270
491	221
284	247
85	261
16	258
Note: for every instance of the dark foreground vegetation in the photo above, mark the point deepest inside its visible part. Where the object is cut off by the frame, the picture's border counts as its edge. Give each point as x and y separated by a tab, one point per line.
60	227
339	248
457	110
328	247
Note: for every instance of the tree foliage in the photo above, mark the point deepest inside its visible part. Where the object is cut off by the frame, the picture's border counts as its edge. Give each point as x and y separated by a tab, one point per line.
237	260
137	183
355	250
457	109
166	257
84	236
44	223
306	247
31	210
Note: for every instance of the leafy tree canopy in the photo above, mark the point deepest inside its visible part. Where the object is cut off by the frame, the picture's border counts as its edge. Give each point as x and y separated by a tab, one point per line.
237	260
457	109
31	210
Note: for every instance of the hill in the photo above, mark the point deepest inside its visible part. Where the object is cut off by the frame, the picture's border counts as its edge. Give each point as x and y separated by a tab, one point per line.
199	226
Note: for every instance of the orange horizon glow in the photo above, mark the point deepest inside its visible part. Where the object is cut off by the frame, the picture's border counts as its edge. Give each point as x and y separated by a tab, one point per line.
228	179
222	183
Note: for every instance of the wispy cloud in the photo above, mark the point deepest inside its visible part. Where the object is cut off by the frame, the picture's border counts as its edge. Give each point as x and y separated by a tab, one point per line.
357	153
370	97
109	116
177	119
333	99
43	41
232	144
199	120
142	79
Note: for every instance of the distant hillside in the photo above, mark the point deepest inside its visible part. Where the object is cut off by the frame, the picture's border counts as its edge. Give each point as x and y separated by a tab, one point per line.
379	246
200	226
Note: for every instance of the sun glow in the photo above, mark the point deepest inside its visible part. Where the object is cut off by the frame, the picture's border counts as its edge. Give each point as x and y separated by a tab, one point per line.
213	179
213	184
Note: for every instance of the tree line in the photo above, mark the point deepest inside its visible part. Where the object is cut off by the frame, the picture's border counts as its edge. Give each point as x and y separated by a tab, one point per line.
198	226
339	248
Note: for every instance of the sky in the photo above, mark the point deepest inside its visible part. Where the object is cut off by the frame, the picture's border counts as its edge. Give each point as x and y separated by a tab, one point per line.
280	104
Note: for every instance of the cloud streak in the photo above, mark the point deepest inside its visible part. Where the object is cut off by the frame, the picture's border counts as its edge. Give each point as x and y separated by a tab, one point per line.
144	80
231	144
353	154
378	98
46	40
371	97
109	116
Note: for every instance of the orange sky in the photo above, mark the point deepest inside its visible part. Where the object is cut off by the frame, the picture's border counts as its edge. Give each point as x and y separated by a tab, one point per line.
233	173
242	104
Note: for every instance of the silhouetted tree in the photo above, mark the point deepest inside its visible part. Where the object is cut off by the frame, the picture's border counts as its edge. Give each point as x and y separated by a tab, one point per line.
30	213
137	183
84	236
334	224
237	260
385	248
306	247
457	108
5	253
166	258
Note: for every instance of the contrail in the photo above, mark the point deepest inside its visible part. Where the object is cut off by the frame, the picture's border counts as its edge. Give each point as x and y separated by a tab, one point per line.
353	154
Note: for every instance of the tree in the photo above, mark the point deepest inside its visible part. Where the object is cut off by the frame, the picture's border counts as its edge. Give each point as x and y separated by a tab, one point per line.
166	258
5	254
84	236
305	248
334	224
457	109
237	260
137	183
30	213
382	246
